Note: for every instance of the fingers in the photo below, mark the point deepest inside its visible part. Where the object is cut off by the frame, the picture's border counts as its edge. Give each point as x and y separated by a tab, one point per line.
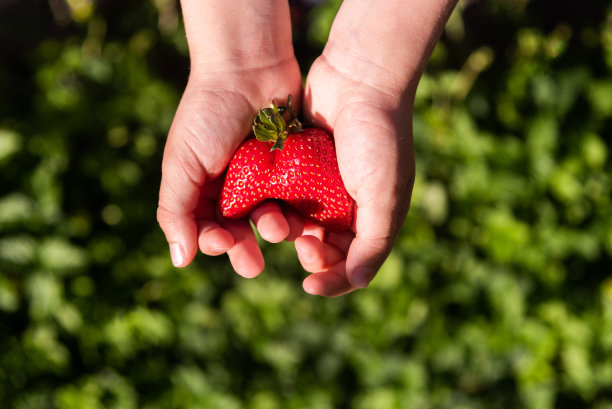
213	239
299	226
330	283
329	262
326	260
245	255
296	224
234	237
315	255
270	222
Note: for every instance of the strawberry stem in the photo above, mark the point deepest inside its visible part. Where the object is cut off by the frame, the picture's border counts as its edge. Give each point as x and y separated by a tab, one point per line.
275	123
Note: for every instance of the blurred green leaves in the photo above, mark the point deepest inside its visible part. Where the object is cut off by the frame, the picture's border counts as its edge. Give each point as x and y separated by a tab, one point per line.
497	294
10	143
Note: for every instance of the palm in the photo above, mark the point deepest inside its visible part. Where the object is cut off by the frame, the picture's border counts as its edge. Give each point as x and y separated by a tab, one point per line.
213	118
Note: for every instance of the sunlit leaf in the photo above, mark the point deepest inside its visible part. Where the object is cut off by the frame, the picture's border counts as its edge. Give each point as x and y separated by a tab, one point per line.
59	255
10	143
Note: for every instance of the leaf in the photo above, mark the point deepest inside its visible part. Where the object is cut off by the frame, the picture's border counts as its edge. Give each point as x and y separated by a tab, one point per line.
10	143
16	208
59	255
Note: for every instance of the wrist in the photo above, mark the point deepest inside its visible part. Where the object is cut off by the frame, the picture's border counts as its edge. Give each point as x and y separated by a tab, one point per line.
230	34
386	46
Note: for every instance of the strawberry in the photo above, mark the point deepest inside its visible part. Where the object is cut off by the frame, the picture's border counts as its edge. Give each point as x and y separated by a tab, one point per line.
288	163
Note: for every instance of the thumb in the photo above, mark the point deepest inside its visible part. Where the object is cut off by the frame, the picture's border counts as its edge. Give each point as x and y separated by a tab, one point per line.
378	220
179	193
370	247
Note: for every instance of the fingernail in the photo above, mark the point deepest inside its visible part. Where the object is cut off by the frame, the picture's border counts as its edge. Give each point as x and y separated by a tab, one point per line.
176	254
362	277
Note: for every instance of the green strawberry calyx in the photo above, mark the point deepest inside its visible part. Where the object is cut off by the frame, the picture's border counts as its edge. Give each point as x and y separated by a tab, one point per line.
276	123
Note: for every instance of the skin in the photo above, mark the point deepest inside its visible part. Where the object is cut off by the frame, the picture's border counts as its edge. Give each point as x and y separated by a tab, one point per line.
235	69
361	89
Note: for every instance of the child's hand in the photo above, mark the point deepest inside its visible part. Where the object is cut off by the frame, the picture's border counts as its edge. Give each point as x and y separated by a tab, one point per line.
236	69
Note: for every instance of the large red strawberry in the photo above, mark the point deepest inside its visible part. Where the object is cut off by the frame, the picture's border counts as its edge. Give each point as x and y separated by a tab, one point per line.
288	163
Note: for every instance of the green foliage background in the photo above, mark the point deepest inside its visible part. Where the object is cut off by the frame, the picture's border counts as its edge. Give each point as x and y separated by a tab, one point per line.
498	293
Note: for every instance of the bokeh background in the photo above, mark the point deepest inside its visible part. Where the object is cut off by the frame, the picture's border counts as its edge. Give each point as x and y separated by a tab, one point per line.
498	292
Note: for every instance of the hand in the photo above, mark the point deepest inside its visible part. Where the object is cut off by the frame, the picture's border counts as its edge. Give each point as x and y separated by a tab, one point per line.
214	116
372	127
238	67
362	89
241	57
